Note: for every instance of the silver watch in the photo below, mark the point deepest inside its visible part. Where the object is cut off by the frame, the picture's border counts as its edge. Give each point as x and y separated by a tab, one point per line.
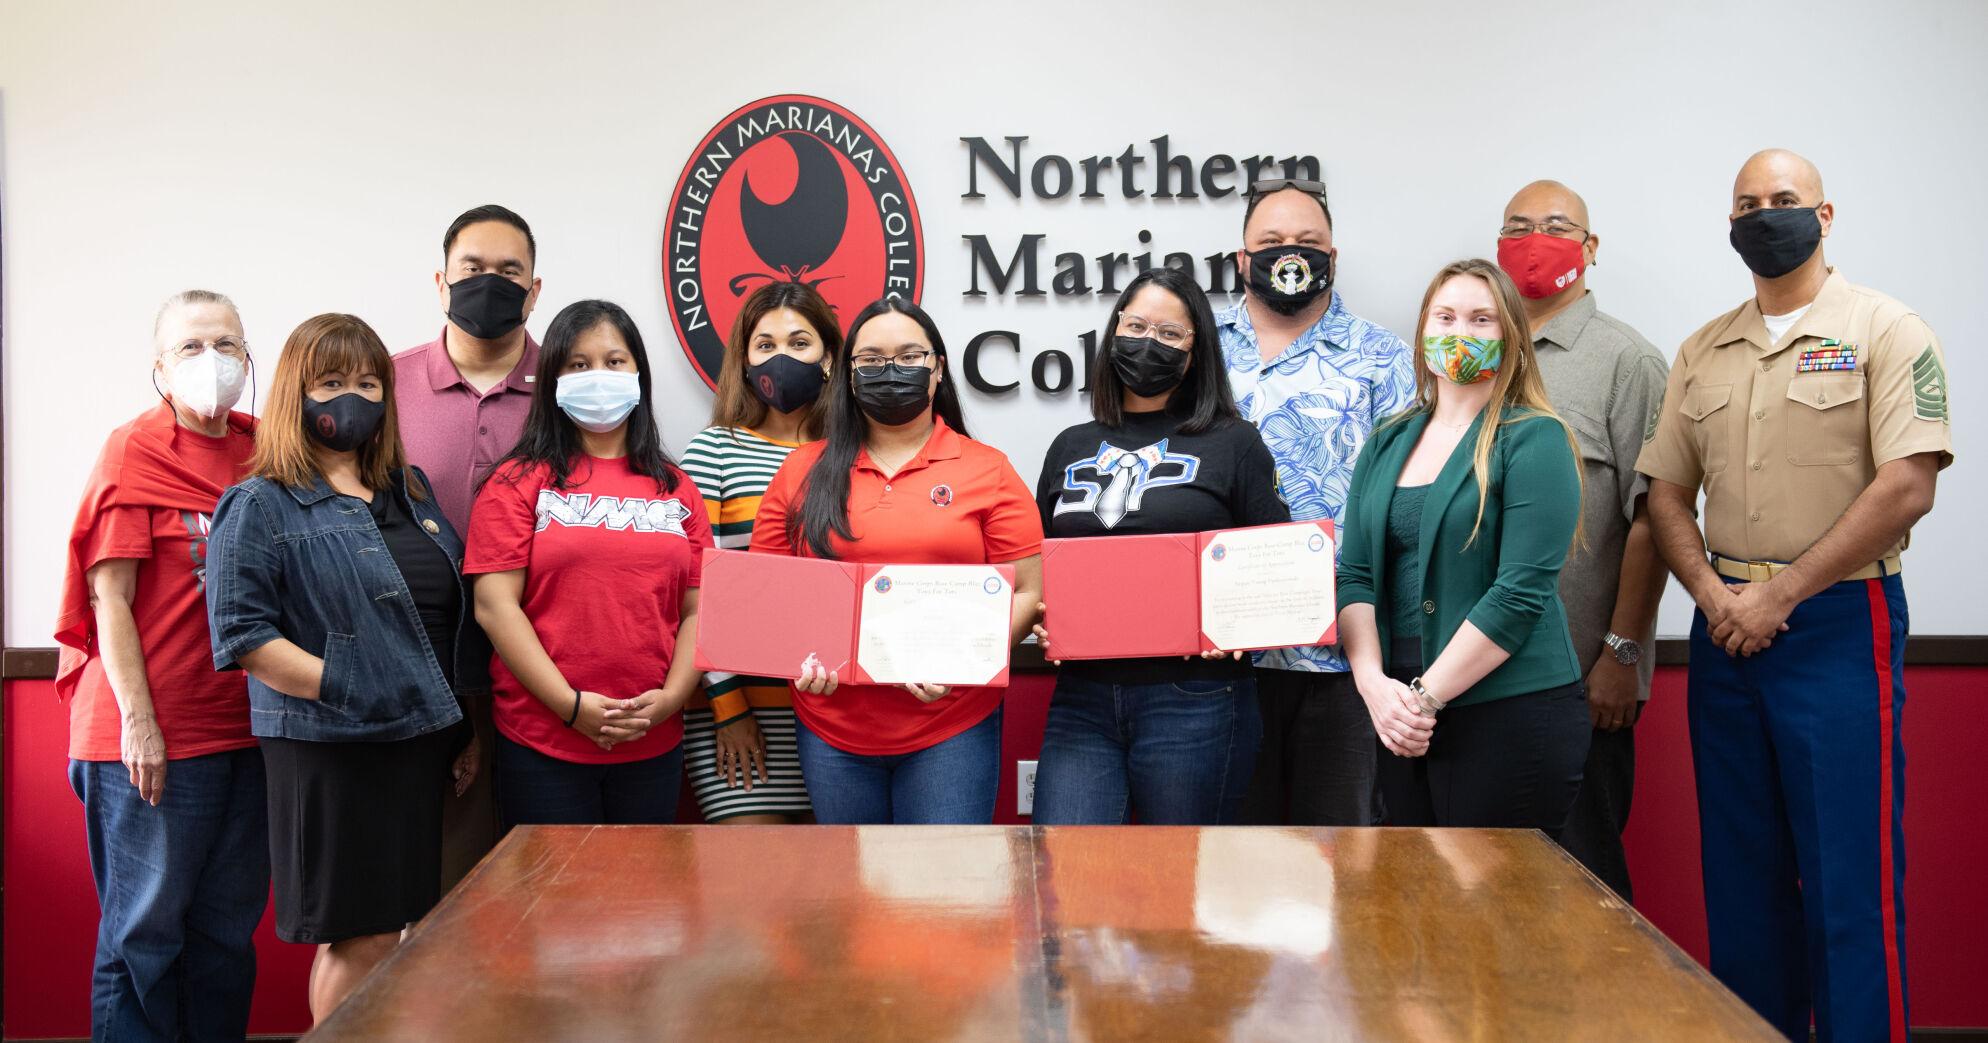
1626	652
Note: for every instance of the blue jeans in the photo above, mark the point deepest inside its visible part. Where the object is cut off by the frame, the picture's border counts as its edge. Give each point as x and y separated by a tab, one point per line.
951	783
182	887
1172	754
536	790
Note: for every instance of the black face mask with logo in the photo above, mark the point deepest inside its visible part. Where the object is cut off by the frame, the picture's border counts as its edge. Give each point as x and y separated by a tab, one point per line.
344	423
893	394
1776	241
785	383
487	306
1147	367
1289	278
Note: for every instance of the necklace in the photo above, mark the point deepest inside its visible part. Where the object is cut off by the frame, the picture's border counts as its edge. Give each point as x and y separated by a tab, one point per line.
1452	427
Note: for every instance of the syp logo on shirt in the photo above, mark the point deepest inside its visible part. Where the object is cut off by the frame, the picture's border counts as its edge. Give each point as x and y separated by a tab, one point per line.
786	189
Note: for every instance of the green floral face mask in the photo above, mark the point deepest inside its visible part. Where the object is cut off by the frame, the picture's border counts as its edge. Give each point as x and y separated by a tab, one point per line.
1464	360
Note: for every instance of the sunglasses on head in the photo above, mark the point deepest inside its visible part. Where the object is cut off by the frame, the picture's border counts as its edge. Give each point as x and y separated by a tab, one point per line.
1278	184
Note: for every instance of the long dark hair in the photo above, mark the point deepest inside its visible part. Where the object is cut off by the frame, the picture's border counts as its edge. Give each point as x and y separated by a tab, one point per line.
824	506
735	405
550	436
1203	397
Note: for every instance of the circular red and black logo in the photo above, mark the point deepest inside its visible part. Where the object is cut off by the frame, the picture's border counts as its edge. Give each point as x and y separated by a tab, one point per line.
787	189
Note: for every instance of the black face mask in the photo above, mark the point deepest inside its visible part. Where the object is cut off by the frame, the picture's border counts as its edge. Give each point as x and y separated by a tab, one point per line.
344	423
487	306
1776	241
785	383
894	394
1288	278
1147	367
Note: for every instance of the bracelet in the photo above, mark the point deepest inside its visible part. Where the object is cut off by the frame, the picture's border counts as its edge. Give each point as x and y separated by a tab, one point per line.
575	715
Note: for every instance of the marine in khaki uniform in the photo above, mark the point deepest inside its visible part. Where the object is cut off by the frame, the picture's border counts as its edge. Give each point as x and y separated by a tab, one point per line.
1815	418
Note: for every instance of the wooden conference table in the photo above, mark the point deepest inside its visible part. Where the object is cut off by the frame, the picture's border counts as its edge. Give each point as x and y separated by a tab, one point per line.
992	932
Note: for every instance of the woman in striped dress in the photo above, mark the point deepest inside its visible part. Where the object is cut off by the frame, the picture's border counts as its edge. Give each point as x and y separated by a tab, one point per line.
739	738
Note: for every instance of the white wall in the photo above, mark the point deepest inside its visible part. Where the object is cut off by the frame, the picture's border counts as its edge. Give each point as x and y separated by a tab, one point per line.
305	158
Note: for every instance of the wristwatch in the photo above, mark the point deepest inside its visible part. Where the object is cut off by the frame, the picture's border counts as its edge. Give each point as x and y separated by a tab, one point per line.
1429	704
1627	652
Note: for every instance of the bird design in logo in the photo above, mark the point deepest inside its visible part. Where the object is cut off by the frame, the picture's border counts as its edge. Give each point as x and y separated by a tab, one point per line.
800	233
327	426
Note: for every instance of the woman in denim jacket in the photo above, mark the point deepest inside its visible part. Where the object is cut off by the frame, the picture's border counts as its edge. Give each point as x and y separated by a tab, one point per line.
335	581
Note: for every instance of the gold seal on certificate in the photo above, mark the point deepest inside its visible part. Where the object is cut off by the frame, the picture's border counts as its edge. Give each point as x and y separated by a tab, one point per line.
936	624
1270	586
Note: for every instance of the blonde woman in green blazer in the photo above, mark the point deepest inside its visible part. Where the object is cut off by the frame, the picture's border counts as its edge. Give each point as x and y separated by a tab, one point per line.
1460	516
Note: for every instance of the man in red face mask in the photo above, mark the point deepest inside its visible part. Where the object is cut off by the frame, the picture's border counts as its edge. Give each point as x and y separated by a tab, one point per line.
1607	382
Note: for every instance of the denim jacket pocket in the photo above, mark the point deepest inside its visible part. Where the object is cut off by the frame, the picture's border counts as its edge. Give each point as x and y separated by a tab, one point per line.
350	689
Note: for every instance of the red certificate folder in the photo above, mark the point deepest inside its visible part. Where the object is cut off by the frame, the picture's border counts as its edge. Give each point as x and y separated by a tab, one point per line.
1112	597
1122	596
764	614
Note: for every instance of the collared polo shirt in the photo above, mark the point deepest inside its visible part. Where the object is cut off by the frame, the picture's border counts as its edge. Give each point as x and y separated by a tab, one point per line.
452	433
1607	383
1315	404
1784	436
957	502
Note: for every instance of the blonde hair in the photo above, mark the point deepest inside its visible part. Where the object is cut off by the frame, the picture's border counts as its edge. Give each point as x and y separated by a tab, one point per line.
331	343
1516	386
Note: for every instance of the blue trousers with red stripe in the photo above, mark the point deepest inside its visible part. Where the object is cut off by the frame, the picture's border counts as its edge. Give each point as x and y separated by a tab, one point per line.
1801	798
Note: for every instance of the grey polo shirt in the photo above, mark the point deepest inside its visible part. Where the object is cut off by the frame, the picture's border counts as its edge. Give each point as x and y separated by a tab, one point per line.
1607	382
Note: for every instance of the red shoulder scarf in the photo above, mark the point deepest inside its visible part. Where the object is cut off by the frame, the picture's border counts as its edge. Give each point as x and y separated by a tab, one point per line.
138	468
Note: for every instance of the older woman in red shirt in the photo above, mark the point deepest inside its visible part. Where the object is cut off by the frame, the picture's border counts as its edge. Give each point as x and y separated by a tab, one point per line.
159	743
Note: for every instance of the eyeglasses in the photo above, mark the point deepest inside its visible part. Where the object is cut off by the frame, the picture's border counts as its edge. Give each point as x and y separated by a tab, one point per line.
1170	334
233	347
1519	228
872	363
1278	184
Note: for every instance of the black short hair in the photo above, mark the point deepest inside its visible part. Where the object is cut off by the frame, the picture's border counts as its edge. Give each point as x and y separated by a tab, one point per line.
488	212
1250	207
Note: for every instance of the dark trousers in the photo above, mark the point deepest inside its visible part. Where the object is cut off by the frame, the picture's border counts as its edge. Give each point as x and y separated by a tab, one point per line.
534	789
1801	798
1512	763
1316	764
1601	810
182	887
470	825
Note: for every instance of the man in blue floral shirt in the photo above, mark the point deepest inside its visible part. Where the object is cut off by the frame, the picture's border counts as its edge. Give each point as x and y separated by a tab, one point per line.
1315	379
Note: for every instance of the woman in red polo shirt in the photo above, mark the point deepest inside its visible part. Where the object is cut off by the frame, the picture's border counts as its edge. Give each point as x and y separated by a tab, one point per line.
897	481
587	543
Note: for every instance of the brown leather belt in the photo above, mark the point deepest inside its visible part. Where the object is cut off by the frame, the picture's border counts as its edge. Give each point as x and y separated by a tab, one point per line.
1762	571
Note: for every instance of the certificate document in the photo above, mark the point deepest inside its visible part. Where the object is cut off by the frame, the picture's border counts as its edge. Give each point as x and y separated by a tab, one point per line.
1268	586
935	624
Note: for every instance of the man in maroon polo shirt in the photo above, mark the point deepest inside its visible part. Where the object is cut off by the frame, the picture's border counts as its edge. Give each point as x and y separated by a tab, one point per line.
462	399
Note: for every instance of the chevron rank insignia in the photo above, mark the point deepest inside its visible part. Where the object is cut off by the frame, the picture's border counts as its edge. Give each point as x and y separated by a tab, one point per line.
1929	387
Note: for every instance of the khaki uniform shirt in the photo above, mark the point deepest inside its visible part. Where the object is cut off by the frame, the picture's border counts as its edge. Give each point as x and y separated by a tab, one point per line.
1784	436
1606	382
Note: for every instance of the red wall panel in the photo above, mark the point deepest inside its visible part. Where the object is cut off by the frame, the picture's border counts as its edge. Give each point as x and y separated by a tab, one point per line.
51	909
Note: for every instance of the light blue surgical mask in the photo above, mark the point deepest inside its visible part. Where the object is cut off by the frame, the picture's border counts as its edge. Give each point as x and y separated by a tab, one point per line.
599	399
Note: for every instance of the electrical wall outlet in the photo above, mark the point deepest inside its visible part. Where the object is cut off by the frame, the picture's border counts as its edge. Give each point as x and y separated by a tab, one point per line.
1024	787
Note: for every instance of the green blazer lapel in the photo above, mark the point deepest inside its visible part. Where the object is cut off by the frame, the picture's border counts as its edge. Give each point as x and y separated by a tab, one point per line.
1449	482
1379	491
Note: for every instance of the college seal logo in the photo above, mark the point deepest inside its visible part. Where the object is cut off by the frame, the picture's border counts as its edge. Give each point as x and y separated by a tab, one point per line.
786	189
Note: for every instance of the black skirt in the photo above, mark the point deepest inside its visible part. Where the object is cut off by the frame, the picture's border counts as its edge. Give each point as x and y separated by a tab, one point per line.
355	833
